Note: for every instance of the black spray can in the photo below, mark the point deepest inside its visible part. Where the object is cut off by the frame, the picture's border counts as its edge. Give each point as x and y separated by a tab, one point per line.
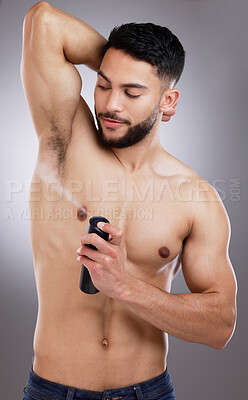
86	284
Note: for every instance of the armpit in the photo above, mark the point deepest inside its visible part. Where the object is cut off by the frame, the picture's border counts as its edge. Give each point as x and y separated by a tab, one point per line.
57	142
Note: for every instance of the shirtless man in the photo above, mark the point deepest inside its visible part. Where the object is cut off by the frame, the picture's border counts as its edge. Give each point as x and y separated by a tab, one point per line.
113	344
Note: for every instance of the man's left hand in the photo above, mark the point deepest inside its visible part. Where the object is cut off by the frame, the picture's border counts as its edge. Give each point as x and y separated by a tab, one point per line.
107	266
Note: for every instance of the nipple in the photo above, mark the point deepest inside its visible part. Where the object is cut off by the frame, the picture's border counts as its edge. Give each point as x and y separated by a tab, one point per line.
82	213
105	343
164	252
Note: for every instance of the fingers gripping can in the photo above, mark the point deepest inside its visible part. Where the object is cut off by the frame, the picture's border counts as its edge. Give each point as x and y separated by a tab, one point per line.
86	284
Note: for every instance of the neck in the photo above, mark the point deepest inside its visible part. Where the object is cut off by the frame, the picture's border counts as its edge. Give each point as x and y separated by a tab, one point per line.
142	155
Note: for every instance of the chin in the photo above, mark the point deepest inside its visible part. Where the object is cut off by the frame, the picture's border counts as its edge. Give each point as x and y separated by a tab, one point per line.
114	131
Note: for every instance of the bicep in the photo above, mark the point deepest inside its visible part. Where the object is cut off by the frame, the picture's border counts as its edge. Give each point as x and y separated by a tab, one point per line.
205	260
52	85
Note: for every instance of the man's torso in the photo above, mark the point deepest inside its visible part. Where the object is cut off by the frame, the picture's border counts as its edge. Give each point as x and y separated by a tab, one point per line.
92	341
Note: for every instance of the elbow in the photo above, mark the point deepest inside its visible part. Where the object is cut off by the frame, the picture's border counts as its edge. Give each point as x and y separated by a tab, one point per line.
226	333
221	344
36	21
38	9
41	5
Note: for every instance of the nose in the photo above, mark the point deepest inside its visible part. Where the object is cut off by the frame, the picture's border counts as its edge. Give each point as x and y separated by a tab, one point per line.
114	103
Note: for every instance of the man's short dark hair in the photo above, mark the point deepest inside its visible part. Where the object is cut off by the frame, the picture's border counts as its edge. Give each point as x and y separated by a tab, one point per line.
152	43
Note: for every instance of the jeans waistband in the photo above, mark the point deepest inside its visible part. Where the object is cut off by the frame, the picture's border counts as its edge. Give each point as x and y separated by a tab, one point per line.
56	391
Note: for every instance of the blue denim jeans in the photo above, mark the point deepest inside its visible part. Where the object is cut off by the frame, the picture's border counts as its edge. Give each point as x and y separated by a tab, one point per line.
157	388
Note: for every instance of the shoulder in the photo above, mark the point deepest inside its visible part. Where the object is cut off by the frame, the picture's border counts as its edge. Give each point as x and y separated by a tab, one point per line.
172	167
198	189
186	182
202	201
209	215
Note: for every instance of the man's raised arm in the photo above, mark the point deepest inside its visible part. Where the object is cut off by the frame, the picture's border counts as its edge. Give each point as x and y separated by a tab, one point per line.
52	42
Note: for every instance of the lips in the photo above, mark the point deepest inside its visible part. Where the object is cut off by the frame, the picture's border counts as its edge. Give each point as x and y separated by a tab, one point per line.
112	122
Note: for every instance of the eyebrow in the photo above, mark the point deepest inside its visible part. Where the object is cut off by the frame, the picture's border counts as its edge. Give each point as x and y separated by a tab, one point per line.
126	85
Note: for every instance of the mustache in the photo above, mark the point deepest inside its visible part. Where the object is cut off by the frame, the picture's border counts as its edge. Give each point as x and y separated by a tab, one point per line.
114	116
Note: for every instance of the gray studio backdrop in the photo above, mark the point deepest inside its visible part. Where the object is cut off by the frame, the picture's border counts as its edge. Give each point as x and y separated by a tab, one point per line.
208	133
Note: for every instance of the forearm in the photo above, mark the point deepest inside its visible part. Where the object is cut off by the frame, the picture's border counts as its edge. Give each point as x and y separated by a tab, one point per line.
193	317
80	43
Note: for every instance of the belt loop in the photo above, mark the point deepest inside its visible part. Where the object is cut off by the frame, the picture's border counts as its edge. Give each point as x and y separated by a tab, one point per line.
70	394
138	392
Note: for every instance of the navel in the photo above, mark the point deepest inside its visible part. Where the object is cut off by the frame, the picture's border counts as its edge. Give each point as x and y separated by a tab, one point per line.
164	252
105	343
82	213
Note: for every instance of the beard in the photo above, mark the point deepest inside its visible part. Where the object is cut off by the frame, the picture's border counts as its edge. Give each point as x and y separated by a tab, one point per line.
134	133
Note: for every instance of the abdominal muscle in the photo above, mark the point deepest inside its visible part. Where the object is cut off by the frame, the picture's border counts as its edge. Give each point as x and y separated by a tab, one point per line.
96	347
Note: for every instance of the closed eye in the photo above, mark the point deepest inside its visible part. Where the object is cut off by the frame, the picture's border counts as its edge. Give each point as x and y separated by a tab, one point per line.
126	92
131	95
103	87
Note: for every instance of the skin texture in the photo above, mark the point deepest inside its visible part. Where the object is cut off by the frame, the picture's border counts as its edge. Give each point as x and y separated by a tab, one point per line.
152	200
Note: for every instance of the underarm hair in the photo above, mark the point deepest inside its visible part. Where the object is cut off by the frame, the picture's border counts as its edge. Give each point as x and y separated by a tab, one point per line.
58	142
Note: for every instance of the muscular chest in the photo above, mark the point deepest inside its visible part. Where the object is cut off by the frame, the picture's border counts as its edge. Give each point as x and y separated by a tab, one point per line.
145	206
154	222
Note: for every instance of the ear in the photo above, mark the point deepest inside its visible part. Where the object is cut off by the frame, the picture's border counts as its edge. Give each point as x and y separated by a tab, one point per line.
169	100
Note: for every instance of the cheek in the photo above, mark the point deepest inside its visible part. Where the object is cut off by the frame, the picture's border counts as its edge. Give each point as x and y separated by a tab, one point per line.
100	100
139	110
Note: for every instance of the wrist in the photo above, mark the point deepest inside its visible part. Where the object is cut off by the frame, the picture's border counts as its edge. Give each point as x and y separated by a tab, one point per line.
126	290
